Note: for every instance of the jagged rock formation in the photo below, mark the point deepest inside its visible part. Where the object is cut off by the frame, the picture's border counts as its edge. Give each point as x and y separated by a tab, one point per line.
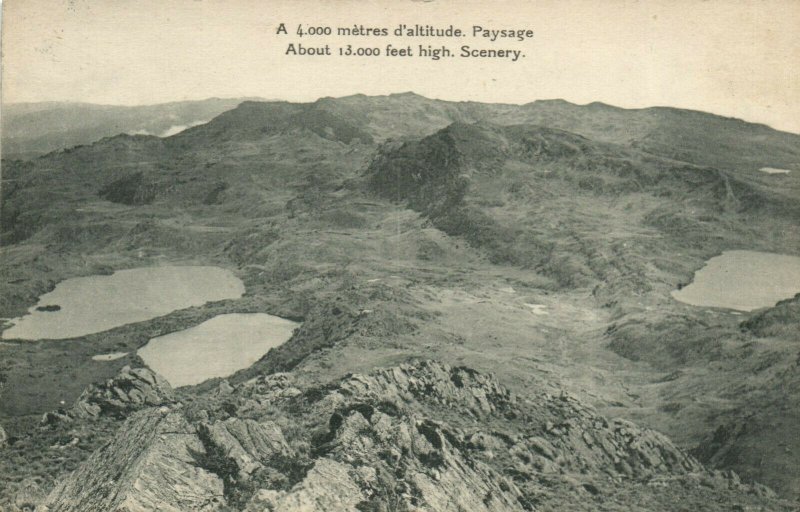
327	486
245	442
151	465
131	390
425	436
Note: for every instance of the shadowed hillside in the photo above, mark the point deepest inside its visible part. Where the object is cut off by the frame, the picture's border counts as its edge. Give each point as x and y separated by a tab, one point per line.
686	135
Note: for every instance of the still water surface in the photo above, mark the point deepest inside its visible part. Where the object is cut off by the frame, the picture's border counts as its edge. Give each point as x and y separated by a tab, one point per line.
215	348
86	305
743	280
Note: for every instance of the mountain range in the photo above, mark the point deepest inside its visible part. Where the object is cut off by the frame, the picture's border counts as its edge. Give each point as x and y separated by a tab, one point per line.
484	292
33	129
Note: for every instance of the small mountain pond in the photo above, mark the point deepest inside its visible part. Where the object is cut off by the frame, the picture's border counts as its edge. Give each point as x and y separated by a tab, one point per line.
215	348
743	280
86	305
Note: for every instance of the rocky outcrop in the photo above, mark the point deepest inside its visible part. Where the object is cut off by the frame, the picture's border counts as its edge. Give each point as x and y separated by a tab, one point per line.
244	444
132	389
150	465
3	438
422	436
436	420
328	486
370	450
428	436
413	461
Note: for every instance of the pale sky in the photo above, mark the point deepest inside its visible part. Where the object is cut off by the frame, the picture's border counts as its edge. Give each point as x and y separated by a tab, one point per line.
737	58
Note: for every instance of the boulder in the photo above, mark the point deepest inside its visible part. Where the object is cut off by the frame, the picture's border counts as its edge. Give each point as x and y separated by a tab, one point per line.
132	389
52	418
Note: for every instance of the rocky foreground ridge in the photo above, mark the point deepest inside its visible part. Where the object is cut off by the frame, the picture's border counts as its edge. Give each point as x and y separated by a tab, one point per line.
421	436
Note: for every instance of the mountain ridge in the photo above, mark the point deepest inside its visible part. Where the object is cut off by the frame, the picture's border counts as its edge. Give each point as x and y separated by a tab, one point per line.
648	128
539	245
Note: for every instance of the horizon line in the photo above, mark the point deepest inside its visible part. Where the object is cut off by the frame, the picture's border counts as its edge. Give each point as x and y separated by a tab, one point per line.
406	93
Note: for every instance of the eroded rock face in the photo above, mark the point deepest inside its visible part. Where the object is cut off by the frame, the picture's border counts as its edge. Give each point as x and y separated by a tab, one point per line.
547	429
150	465
132	389
434	435
327	486
421	437
245	443
3	438
416	463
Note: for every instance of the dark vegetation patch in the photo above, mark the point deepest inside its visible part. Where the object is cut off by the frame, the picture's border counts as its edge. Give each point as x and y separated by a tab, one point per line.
282	472
783	319
431	432
215	196
668	342
279	471
133	190
217	460
432	459
45	453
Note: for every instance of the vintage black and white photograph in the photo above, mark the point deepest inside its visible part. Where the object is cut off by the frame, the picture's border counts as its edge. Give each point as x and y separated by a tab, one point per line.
396	256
